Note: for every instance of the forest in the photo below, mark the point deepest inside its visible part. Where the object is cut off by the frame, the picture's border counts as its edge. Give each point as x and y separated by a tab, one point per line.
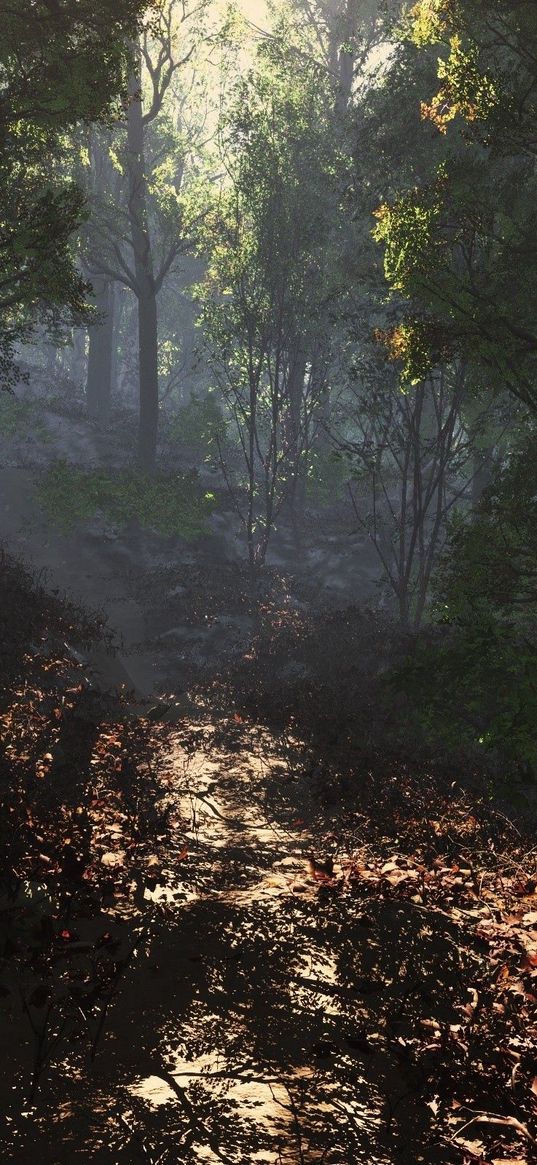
268	582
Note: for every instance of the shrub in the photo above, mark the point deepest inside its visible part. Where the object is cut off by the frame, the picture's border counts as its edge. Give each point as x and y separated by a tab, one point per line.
327	474
17	416
200	425
475	680
167	504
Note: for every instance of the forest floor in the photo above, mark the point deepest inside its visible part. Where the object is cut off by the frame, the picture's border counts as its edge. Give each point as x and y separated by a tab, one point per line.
178	981
179	984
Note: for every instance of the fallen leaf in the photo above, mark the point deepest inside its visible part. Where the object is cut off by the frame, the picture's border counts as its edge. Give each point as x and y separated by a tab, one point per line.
113	858
509	1161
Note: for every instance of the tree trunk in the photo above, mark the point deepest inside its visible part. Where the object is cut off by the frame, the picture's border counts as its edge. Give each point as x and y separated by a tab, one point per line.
101	341
148	372
483	468
77	357
145	282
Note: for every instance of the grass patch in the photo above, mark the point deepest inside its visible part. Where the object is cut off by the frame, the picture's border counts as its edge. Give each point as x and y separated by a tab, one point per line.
167	504
19	415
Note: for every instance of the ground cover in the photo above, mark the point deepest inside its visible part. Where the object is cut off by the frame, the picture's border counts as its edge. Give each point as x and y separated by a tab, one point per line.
230	938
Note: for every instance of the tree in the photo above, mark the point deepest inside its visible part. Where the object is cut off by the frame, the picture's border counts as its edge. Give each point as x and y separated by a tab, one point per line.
269	279
453	244
62	64
411	457
138	228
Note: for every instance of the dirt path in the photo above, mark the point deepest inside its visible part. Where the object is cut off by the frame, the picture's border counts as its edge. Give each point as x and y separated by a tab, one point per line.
237	1038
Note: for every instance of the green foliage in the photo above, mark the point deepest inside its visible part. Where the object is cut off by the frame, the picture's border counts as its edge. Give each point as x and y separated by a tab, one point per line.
168	505
456	268
273	236
15	415
492	554
476	679
476	686
64	63
326	478
200	425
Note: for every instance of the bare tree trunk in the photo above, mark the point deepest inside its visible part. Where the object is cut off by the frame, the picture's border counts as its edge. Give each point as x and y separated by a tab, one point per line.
483	464
77	356
101	341
145	282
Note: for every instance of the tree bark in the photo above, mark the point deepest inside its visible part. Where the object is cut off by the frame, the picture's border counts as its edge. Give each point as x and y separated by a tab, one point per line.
101	341
483	469
145	281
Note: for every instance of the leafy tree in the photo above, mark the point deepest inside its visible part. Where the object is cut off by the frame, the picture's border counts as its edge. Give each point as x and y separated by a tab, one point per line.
141	222
476	680
453	243
271	239
61	63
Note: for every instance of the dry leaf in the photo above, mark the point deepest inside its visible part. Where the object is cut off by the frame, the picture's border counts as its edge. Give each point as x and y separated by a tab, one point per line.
509	1161
113	858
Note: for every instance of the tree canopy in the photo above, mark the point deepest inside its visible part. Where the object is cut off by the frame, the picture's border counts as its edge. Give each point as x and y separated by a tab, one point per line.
61	62
452	243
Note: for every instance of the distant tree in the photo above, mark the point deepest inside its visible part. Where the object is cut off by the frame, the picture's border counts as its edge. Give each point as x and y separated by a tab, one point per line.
269	280
138	226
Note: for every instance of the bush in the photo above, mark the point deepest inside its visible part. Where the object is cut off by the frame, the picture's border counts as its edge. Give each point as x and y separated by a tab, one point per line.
475	686
18	416
475	680
166	504
200	425
327	474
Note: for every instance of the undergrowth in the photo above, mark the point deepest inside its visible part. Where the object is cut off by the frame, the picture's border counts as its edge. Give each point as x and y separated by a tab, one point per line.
167	504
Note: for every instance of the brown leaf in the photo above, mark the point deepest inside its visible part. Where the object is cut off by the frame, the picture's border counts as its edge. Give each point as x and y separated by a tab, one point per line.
509	1161
113	859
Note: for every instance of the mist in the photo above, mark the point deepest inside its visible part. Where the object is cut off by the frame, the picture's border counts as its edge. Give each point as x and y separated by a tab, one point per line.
267	582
